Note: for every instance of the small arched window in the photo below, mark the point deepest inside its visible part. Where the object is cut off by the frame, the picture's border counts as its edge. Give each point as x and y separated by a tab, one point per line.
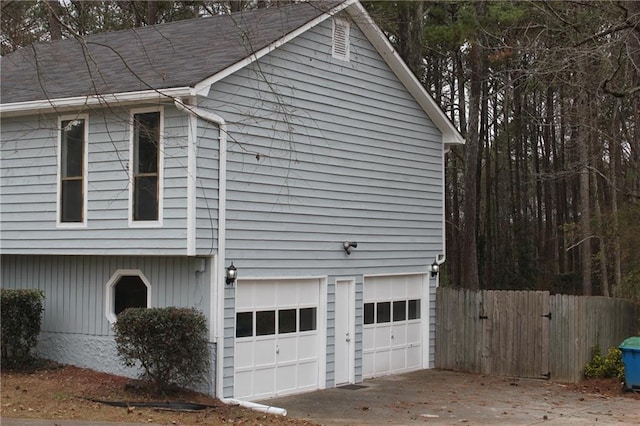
126	289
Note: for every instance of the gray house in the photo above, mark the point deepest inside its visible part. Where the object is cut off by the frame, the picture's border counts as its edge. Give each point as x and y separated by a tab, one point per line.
137	166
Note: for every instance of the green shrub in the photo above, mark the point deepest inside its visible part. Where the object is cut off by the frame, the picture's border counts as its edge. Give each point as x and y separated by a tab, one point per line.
604	367
169	344
21	316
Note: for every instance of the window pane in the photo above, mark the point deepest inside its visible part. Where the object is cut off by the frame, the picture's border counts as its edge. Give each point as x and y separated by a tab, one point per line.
72	148
145	203
383	312
399	310
130	292
287	321
414	309
307	319
71	205
369	316
244	324
147	138
265	323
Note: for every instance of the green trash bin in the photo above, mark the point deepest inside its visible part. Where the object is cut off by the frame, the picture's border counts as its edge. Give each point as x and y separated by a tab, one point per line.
630	349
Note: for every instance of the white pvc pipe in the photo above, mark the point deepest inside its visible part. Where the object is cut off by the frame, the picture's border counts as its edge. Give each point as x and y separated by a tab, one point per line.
255	406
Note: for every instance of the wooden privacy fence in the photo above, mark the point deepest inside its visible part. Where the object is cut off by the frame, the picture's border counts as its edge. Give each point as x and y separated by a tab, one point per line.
527	333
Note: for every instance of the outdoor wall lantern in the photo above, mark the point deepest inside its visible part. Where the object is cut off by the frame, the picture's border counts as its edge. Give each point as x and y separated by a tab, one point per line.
232	274
348	245
434	269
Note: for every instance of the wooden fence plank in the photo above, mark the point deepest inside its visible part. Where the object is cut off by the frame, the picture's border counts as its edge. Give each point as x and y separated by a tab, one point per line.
510	333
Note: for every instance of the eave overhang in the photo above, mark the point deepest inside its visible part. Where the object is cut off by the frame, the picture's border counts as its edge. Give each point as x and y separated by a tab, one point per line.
85	102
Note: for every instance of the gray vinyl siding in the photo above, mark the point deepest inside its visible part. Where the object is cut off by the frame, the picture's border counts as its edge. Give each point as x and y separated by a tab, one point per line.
207	143
29	185
340	152
75	286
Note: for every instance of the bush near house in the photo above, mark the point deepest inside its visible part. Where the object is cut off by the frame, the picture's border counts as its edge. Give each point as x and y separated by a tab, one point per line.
20	316
169	344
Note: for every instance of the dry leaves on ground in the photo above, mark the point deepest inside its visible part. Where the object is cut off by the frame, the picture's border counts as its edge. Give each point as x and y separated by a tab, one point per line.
64	392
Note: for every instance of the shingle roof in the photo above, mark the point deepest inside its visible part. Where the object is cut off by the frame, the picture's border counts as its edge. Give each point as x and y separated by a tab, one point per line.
175	54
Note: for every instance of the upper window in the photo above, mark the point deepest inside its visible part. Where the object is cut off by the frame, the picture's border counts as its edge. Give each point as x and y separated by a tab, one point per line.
72	171
146	167
340	46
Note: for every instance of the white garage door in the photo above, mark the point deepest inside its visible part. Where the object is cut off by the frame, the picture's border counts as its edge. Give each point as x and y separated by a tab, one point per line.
277	339
392	340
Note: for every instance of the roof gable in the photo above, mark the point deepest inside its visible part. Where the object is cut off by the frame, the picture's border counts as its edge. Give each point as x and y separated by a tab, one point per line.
174	54
180	58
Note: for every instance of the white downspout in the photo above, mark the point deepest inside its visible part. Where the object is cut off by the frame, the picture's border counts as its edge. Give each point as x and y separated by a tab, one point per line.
217	295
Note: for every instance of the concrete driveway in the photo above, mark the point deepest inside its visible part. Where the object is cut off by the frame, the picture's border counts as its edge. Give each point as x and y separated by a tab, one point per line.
444	397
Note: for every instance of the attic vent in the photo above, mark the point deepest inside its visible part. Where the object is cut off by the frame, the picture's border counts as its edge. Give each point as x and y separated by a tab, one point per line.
340	48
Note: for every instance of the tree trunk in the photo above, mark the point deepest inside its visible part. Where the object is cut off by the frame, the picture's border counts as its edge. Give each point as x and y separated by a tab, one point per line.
54	11
470	256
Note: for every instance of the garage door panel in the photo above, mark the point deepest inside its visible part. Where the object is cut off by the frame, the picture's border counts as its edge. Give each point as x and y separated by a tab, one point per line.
243	383
392	333
414	333
263	382
279	354
399	336
414	355
368	339
382	362
308	346
286	382
287	350
382	337
398	361
264	352
244	354
306	378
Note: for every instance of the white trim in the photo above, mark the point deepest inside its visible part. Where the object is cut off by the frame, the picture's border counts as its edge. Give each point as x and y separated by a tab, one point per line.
109	306
322	334
285	277
32	107
192	170
425	318
399	274
146	223
450	135
203	87
85	174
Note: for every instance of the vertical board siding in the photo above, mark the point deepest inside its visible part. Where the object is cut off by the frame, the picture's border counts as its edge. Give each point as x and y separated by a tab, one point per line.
324	151
28	169
75	286
509	333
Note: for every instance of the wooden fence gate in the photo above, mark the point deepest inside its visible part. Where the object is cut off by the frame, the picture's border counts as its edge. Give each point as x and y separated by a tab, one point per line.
527	333
502	333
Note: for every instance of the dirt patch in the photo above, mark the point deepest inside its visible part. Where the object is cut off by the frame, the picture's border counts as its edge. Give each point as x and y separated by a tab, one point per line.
64	392
604	387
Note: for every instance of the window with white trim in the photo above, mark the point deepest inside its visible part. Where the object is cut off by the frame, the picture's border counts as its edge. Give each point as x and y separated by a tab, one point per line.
72	170
127	288
340	47
146	167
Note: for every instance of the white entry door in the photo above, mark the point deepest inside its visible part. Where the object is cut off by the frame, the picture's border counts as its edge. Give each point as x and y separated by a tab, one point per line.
345	330
392	332
277	338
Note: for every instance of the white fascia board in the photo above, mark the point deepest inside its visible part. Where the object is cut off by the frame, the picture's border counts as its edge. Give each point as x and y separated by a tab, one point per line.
30	107
450	135
204	86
